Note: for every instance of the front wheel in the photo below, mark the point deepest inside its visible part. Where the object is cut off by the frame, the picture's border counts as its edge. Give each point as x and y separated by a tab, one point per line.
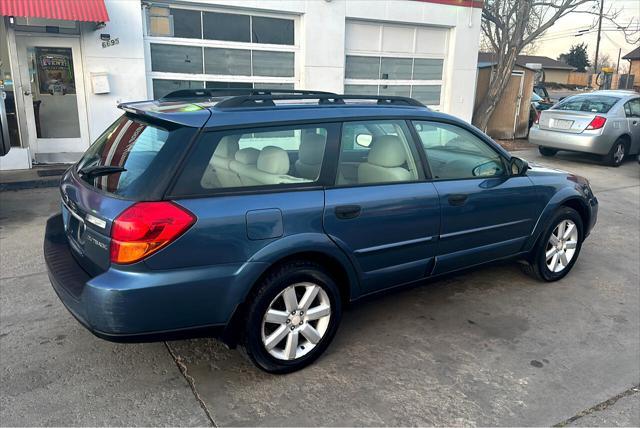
292	317
617	153
546	151
558	248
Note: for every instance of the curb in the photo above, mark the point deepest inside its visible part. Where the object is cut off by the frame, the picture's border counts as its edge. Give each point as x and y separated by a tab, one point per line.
29	184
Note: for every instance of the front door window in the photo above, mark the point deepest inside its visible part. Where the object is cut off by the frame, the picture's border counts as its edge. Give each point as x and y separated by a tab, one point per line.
53	91
455	153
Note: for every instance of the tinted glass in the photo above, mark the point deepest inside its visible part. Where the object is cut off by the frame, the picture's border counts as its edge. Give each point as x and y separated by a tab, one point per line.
362	67
227	61
176	59
276	64
226	26
590	103
395	90
361	89
376	152
455	153
396	68
226	85
272	30
286	156
186	23
632	108
427	69
162	87
427	94
273	85
143	149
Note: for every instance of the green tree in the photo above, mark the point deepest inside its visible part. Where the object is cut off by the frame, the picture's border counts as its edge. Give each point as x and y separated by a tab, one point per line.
576	57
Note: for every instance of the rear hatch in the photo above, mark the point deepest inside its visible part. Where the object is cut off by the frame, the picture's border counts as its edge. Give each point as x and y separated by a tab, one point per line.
133	160
574	114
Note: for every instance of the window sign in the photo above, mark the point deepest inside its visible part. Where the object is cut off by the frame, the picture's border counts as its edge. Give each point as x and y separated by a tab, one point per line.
55	71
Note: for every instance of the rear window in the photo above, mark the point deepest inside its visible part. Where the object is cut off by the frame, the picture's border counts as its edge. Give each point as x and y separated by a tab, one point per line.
276	157
591	104
145	152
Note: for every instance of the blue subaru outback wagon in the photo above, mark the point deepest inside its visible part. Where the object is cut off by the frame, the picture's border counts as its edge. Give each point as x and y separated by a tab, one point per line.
256	216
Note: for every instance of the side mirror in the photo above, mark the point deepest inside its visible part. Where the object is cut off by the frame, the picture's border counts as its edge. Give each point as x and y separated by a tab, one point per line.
364	140
518	166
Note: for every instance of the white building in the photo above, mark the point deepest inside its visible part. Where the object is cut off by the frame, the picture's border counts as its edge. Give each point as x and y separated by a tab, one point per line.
67	75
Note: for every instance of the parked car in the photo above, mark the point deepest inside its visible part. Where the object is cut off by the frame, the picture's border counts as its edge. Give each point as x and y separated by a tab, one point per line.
256	218
541	91
538	104
602	122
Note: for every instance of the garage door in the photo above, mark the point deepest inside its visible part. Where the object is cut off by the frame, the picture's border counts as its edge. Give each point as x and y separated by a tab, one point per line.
388	59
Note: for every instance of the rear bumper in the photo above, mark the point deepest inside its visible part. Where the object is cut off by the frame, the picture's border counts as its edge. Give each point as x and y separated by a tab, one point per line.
598	144
131	305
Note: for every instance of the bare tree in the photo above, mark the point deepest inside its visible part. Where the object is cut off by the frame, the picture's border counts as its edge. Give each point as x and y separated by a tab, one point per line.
509	26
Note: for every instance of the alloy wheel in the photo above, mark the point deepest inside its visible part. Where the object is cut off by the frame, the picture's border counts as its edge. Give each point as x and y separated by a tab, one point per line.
561	247
295	321
618	155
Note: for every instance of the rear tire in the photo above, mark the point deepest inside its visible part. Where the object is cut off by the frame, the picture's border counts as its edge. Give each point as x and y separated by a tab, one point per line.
285	332
546	151
617	154
553	258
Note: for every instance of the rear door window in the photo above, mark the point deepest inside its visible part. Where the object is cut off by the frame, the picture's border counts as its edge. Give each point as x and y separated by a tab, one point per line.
132	157
589	103
632	108
377	151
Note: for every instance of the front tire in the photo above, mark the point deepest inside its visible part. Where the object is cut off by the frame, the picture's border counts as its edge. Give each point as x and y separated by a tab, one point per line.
292	317
558	247
617	154
546	151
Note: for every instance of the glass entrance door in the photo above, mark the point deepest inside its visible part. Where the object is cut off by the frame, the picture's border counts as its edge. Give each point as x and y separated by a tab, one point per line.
52	90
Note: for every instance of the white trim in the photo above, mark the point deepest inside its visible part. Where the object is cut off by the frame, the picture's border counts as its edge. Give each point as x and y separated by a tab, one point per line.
376	54
219	44
379	53
206	43
392	82
23	132
16	158
54	145
396	23
219	77
233	10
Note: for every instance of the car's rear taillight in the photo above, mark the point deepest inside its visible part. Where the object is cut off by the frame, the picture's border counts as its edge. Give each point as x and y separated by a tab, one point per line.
145	227
597	122
537	119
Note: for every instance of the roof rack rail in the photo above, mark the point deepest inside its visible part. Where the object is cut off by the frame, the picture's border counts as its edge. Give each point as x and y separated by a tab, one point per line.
225	92
267	100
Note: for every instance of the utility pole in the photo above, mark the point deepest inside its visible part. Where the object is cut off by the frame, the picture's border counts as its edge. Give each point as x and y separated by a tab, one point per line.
618	65
595	63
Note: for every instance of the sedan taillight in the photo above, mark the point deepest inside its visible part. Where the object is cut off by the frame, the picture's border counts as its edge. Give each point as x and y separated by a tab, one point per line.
597	122
145	227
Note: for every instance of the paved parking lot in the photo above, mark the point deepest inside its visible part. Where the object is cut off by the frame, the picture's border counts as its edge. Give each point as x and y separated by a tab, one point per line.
487	347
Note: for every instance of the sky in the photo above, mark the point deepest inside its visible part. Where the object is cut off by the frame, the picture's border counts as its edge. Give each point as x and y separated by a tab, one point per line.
559	38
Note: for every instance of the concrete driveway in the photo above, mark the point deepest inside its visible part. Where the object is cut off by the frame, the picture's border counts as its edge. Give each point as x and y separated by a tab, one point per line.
487	347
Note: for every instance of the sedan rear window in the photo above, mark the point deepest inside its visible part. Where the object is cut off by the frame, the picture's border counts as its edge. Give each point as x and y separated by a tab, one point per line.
588	103
130	158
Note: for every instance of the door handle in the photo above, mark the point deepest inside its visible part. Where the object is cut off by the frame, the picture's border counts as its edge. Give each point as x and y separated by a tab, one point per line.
457	199
346	212
27	92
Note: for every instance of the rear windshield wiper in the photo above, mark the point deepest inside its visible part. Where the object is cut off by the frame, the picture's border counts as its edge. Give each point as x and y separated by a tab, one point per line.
98	170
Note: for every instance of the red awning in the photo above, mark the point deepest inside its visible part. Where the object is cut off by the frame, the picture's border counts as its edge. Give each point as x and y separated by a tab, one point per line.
68	10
